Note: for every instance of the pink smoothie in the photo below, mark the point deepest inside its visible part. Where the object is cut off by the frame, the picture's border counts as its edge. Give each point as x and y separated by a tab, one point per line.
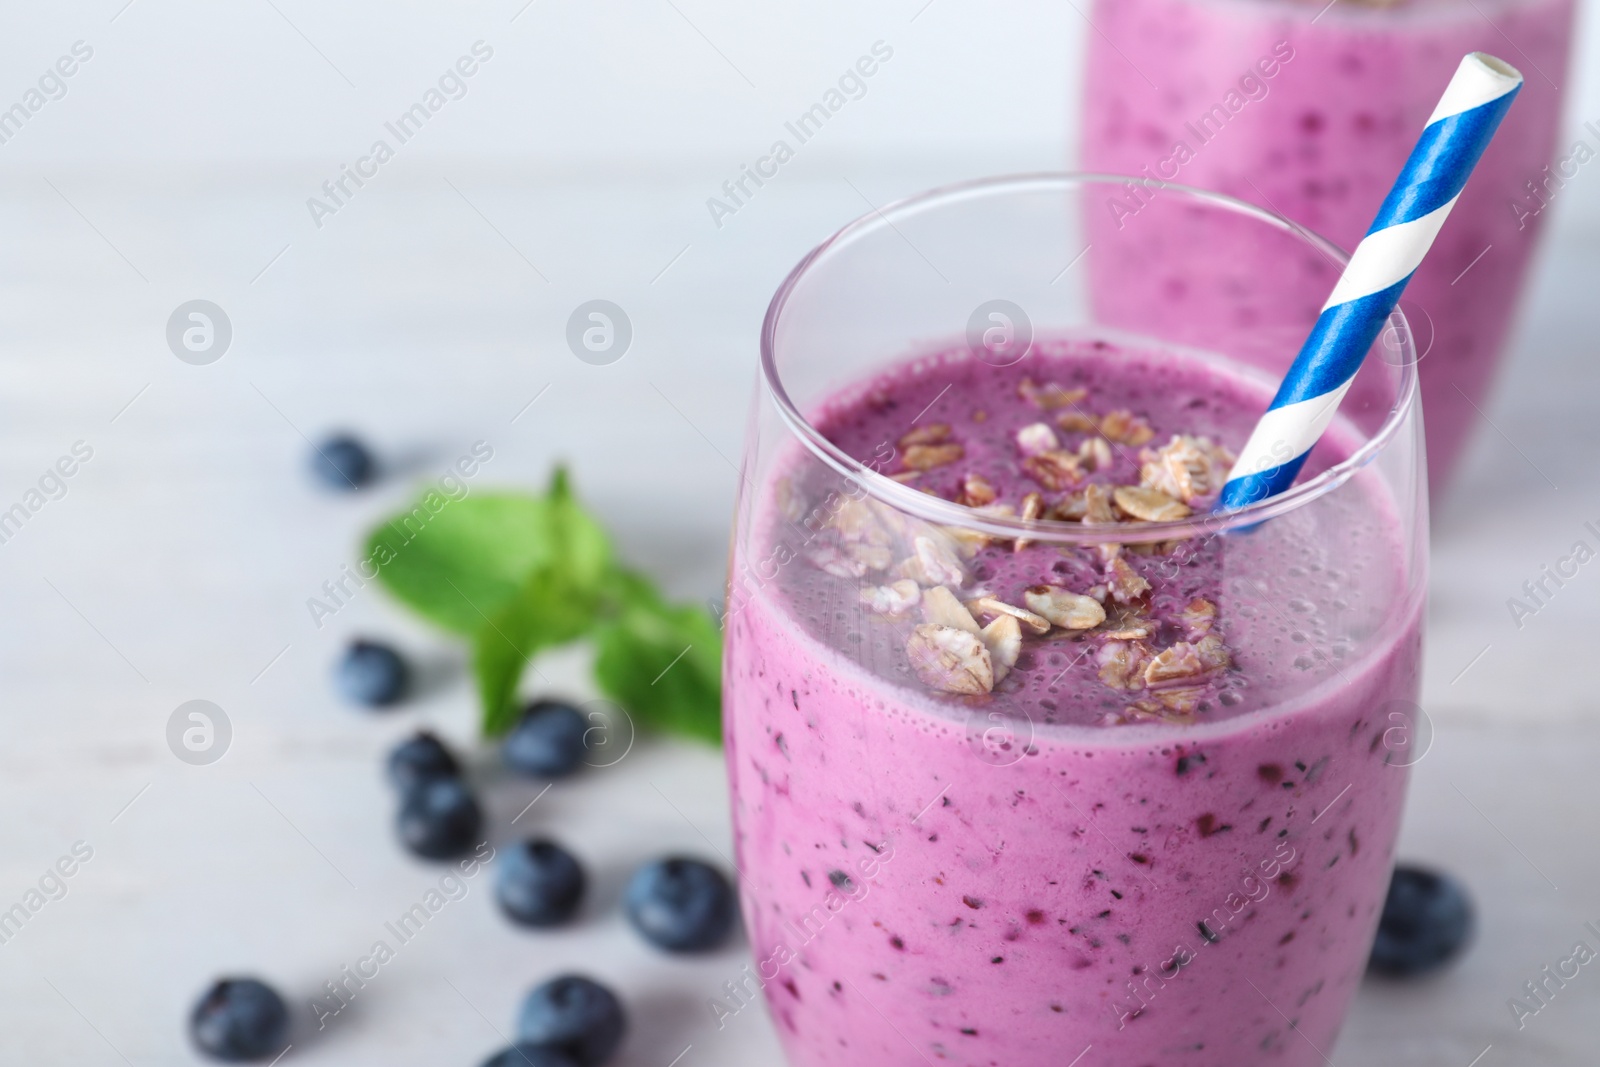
1013	876
1310	110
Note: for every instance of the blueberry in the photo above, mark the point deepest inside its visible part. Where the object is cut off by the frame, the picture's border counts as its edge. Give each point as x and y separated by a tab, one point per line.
681	905
574	1015
239	1019
440	818
419	759
548	740
372	674
524	1054
1427	920
538	883
342	462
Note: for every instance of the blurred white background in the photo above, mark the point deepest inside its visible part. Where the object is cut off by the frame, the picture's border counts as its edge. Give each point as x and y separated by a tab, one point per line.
689	86
427	313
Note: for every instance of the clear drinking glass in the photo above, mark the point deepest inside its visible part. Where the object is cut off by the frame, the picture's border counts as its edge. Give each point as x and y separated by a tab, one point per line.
1014	854
1310	108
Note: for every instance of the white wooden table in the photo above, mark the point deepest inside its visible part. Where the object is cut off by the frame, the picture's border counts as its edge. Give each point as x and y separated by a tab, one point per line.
178	564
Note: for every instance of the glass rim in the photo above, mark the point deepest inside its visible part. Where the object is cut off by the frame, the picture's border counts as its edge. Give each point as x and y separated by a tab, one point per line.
944	512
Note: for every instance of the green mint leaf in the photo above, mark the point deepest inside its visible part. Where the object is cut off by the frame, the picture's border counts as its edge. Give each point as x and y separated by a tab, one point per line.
557	602
549	609
582	546
661	662
459	562
520	574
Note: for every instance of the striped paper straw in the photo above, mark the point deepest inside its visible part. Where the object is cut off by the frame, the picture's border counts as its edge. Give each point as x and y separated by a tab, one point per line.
1368	290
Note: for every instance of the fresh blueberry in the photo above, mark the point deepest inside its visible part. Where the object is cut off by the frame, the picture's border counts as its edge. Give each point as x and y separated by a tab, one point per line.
539	883
239	1019
440	818
371	674
419	759
342	462
574	1015
681	905
1427	920
548	740
524	1054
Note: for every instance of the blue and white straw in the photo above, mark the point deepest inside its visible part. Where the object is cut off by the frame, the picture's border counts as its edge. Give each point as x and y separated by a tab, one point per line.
1368	290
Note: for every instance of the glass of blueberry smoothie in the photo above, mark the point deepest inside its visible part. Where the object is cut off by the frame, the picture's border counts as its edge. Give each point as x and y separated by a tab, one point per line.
1310	108
1031	753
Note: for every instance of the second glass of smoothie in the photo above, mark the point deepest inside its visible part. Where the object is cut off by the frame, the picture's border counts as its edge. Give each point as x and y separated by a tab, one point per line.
1032	757
1310	108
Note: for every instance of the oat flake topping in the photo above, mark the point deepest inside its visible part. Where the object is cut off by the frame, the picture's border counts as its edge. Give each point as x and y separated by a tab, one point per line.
965	636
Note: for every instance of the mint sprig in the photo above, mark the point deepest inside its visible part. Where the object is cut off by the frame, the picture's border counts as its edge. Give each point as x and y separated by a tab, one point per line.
519	574
660	656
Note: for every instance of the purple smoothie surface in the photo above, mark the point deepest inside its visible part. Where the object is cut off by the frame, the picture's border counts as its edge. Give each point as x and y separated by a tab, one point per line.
1290	611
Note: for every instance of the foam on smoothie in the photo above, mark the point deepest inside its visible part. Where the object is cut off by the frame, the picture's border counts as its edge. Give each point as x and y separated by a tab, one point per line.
1291	604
